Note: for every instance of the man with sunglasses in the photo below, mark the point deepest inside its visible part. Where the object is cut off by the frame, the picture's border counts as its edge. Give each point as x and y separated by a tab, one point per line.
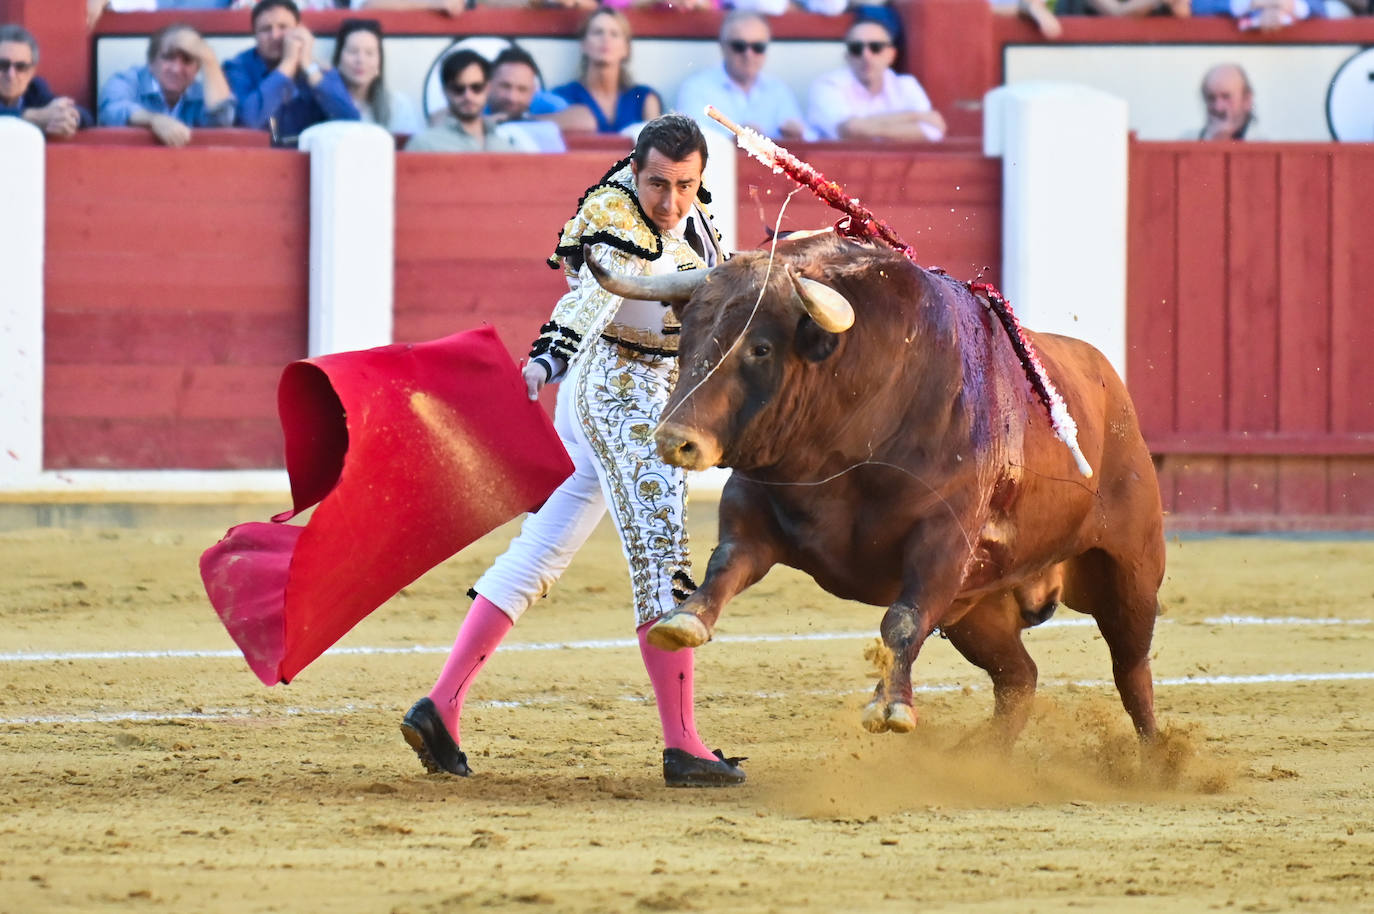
866	100
25	94
740	88
164	95
466	76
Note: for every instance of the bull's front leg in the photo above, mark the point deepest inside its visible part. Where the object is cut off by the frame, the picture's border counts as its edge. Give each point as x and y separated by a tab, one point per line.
904	629
932	571
734	566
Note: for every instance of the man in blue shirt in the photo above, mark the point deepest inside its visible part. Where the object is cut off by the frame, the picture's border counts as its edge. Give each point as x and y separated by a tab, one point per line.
740	88
164	95
278	83
24	94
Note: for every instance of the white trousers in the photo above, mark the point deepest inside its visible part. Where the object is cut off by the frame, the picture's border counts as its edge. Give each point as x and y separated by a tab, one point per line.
608	406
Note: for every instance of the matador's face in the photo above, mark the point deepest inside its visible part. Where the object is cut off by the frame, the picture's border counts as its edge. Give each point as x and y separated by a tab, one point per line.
666	189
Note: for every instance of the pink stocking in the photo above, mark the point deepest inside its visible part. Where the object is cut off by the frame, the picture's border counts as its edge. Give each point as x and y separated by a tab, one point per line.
671	673
478	637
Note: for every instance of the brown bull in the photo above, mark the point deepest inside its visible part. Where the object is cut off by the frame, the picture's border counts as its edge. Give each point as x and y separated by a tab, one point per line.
905	462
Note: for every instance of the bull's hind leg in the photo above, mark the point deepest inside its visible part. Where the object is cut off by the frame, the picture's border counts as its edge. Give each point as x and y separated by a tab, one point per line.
1122	597
989	637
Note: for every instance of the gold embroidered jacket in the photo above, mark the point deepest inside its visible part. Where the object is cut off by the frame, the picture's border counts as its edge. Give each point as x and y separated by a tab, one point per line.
625	240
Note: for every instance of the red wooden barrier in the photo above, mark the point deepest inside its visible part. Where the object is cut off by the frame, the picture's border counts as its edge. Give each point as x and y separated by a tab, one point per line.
176	290
1249	278
142	136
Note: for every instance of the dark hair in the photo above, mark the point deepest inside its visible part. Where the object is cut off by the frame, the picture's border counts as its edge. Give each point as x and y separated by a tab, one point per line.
155	40
516	54
17	34
376	93
675	135
459	61
263	6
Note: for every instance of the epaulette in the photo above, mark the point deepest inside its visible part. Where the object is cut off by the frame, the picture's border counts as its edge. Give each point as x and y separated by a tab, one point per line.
610	213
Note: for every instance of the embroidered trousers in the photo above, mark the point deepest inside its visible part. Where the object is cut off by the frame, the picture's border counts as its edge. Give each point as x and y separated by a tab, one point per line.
608	406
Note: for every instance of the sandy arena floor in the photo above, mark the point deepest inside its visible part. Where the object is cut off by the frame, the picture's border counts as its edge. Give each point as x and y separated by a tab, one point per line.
135	780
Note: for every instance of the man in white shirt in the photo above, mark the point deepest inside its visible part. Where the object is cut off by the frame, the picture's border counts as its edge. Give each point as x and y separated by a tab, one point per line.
740	88
868	101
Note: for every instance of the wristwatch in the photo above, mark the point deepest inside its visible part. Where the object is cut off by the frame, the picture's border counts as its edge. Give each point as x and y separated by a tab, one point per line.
312	69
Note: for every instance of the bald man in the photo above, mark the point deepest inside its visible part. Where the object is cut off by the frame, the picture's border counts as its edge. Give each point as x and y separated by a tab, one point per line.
1229	100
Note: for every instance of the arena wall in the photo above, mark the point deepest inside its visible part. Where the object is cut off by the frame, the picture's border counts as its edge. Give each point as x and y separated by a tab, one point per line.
1249	281
1246	263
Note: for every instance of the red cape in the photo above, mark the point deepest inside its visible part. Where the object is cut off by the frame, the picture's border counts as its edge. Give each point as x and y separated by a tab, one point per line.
411	452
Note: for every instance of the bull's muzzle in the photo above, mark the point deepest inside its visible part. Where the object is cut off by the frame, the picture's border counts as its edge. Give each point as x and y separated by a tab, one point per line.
680	446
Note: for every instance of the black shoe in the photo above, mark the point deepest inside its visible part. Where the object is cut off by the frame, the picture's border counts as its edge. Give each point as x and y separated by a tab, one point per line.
424	730
682	769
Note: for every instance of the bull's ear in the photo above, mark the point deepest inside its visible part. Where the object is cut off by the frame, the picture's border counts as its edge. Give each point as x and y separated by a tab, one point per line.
813	343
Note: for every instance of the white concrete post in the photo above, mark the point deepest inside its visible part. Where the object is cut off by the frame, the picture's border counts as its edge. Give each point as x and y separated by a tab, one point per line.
1064	172
352	235
22	193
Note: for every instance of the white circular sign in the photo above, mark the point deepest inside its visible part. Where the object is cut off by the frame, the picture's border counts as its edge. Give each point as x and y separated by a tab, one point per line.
1350	99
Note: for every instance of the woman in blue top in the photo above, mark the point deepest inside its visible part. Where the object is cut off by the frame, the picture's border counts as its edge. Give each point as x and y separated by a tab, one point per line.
604	85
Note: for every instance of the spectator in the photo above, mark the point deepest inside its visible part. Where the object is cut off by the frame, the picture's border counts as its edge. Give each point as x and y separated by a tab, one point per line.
1036	11
1265	15
604	85
740	88
1180	8
360	62
778	7
278	83
465	75
25	94
451	7
866	99
164	95
95	7
1230	104
514	85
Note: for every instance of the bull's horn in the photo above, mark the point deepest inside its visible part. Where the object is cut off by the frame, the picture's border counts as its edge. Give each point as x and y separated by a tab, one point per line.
830	310
672	287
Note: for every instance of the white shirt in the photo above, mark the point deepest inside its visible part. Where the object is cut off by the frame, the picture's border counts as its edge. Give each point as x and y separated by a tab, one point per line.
648	315
838	96
766	105
778	7
405	117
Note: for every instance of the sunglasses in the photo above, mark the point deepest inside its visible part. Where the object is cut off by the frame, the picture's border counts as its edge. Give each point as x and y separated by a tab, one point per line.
465	88
856	48
18	66
739	47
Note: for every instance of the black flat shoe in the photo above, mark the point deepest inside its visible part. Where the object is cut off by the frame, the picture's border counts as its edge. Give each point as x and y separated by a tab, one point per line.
682	769
424	730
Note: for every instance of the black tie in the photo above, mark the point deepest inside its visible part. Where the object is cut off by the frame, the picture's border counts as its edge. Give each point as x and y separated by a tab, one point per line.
690	233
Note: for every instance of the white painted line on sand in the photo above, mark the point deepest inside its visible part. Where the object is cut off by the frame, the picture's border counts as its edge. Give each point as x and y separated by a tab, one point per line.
276	714
599	644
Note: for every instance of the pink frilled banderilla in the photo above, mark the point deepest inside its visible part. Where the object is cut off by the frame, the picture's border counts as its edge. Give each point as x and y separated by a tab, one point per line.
860	222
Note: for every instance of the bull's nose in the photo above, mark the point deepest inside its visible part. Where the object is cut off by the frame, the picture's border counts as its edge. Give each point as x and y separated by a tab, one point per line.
680	448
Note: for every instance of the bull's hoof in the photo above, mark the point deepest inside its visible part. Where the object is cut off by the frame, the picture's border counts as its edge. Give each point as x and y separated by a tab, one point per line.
875	716
679	630
880	717
901	717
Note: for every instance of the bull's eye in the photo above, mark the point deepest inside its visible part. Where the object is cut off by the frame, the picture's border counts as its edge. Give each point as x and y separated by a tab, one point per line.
761	350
